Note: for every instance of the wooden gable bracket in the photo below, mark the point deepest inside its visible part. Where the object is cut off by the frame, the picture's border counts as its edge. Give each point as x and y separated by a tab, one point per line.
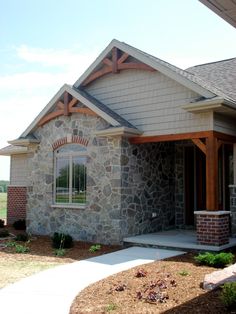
66	108
116	64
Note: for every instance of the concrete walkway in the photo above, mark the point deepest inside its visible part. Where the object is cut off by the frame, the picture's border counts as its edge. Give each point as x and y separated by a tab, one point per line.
53	290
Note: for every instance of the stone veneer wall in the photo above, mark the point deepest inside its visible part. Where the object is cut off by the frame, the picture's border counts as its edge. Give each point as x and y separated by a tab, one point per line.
125	184
179	185
233	208
147	187
100	219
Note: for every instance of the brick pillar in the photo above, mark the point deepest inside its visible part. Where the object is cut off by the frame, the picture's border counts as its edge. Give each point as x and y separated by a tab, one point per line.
233	208
212	227
16	203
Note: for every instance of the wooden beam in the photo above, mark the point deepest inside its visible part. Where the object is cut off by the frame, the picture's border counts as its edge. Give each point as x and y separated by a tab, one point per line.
50	116
66	102
225	137
211	173
114	60
73	102
60	105
123	58
83	111
107	62
198	142
169	137
97	74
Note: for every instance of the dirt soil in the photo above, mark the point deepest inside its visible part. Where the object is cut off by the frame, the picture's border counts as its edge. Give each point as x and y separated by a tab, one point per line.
175	282
41	256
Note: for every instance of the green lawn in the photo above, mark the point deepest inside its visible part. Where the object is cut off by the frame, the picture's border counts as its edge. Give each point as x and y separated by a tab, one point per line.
3	205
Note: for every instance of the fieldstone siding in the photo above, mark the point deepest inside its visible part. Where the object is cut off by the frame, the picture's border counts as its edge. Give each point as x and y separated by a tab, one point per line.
179	185
127	185
16	203
233	208
100	219
147	187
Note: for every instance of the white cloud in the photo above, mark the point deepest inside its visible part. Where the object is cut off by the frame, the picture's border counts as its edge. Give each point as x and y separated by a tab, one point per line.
54	57
24	94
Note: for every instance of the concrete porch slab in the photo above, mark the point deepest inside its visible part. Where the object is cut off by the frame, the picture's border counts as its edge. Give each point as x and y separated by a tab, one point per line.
175	239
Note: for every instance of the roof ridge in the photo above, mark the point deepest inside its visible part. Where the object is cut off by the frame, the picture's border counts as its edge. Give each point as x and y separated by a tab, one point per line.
202	64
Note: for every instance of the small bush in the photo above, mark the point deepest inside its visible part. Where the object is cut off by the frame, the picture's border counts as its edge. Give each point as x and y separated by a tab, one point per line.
19	224
4	233
60	252
21	249
23	237
62	241
228	295
2	223
184	273
95	248
11	244
219	260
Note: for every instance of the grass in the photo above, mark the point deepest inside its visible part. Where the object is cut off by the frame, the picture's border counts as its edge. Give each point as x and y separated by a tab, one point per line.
11	270
3	205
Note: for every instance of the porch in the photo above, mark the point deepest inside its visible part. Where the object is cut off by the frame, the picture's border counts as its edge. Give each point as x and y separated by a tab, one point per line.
176	239
203	174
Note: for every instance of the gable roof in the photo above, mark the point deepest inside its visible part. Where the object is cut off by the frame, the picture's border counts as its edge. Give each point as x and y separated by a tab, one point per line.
194	79
221	74
173	72
100	109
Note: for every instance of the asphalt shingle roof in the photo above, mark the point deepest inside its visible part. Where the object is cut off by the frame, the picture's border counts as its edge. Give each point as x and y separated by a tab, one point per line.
220	74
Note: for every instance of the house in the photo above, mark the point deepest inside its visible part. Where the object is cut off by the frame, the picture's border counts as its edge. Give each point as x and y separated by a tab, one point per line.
135	146
225	9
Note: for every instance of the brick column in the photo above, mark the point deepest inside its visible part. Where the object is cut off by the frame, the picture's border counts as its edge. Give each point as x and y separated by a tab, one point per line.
16	203
212	227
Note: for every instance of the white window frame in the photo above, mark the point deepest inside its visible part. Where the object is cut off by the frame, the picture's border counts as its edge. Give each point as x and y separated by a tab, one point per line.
70	155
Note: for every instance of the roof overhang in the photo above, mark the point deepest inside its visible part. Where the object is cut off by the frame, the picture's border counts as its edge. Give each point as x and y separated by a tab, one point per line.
216	104
223	8
13	150
24	142
119	131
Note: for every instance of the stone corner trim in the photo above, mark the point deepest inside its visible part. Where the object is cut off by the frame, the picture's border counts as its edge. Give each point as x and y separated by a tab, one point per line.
70	139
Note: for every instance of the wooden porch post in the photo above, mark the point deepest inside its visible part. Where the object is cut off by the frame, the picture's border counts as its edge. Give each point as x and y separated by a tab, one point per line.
211	173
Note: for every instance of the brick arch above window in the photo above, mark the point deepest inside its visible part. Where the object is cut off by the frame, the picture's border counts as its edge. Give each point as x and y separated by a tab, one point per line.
76	139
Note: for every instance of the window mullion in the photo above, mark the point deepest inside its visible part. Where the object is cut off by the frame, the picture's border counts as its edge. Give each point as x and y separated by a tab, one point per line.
70	179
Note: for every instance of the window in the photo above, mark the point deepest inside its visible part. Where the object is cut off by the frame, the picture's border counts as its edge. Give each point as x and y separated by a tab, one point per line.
70	174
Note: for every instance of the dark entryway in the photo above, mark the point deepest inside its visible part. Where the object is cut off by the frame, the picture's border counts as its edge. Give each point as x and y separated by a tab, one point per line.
194	183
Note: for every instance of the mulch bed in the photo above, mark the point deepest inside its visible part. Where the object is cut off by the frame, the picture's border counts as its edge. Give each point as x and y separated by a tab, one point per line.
175	282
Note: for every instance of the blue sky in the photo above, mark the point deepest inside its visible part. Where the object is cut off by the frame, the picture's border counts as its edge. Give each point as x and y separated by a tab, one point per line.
46	43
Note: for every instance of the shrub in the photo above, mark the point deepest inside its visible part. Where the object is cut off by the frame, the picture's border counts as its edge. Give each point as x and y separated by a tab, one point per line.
60	252
228	295
184	273
62	241
94	248
2	223
4	233
22	237
215	260
21	248
19	224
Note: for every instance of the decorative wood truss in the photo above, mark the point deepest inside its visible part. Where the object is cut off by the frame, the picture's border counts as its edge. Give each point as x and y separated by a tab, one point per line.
209	142
66	107
117	63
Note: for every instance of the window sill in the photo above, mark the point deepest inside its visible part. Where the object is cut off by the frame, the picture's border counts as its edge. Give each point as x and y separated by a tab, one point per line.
69	206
